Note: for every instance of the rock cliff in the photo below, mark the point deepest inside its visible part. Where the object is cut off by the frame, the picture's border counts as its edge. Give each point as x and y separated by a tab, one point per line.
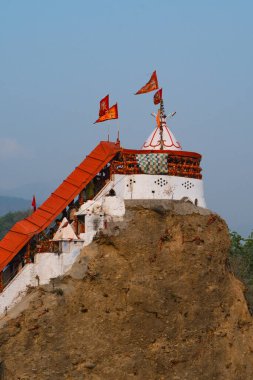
151	298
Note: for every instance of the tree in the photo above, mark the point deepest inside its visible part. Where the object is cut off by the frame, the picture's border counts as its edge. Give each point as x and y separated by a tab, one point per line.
8	220
241	263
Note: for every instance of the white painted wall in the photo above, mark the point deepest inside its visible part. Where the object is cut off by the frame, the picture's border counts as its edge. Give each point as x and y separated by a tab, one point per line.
16	289
114	206
146	186
46	266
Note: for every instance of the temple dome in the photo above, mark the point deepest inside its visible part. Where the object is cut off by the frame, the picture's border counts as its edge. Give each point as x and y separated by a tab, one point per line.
169	140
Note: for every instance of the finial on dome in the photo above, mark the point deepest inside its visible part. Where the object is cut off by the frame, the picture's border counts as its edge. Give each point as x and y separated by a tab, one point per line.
161	138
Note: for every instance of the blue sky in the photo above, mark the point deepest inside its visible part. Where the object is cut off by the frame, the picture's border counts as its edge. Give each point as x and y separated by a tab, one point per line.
59	58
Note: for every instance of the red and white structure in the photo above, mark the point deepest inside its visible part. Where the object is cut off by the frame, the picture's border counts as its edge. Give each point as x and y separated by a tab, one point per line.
87	200
159	170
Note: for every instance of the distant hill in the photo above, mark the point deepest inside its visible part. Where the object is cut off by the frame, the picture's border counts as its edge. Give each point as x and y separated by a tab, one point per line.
42	190
11	204
8	220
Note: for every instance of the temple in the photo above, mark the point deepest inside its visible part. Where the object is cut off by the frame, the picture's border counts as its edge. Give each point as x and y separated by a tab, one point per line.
45	244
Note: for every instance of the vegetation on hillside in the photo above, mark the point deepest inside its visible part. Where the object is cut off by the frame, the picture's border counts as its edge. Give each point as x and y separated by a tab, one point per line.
8	220
241	262
241	255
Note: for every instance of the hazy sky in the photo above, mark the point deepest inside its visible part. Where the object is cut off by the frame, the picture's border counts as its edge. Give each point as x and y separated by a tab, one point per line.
58	58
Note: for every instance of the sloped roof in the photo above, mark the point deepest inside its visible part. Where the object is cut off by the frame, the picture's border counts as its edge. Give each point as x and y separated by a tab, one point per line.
23	231
65	231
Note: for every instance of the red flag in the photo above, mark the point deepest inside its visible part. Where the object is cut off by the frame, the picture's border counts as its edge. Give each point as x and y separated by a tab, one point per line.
150	86
104	105
34	203
158	96
112	113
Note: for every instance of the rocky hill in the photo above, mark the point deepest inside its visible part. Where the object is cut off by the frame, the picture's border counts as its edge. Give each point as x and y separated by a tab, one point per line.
151	298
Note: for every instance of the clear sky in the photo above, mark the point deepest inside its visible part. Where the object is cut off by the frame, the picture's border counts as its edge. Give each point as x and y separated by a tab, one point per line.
58	58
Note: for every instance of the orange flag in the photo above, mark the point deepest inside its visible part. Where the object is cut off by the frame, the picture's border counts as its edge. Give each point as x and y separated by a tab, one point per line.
150	86
112	113
158	96
104	105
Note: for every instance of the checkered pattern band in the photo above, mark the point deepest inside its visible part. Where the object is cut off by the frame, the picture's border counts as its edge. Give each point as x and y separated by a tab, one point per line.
153	163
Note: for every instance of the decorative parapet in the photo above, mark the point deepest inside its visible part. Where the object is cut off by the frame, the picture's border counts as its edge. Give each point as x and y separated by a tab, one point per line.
176	163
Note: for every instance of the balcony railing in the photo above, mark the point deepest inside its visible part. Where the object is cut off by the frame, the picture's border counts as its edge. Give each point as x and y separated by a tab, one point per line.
170	164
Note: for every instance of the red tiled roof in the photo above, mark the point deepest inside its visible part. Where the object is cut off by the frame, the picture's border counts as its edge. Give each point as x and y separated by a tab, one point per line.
23	231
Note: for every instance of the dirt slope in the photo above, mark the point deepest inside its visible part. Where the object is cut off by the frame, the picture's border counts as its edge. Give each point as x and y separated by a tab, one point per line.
150	299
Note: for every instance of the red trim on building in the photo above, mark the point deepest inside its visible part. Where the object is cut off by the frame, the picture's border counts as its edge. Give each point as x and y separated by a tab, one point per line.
180	153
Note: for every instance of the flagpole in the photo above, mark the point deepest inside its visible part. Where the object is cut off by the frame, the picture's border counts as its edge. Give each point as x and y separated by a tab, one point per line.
161	125
108	132
118	139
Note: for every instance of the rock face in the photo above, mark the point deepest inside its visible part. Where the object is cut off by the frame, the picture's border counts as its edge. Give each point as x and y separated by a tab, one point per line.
151	298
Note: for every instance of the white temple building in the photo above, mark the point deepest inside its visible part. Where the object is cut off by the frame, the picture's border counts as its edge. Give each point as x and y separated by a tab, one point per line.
38	249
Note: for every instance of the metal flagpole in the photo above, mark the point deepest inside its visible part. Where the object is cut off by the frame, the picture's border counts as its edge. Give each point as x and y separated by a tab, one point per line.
118	140
108	132
161	124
